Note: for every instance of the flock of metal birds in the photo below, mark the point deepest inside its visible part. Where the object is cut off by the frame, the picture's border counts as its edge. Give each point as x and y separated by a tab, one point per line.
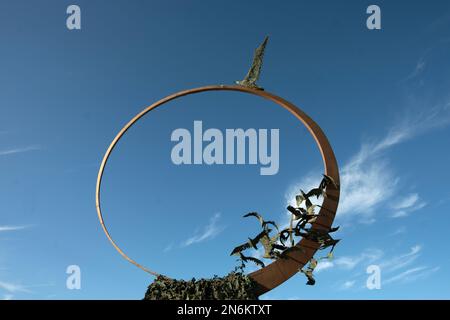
275	246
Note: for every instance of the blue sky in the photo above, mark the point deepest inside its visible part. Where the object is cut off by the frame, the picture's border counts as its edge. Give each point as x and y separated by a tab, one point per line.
382	97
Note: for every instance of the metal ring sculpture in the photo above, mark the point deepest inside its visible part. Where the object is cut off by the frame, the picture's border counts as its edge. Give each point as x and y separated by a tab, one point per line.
295	257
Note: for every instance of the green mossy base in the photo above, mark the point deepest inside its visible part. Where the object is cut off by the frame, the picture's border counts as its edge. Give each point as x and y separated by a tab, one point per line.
234	286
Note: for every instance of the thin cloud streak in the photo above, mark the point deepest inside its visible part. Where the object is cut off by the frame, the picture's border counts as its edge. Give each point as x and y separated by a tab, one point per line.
406	202
399	268
402	260
370	256
12	228
348	284
367	257
407	205
19	150
412	274
13	288
209	232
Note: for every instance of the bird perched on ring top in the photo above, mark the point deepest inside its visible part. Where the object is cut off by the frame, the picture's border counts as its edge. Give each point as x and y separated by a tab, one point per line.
253	74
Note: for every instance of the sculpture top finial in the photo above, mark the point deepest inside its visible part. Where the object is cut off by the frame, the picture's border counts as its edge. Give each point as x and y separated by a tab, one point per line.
255	69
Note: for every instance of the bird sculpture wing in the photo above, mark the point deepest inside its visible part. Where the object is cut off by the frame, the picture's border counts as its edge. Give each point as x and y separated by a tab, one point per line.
311	210
326	181
261	235
299	200
273	223
256	261
256	215
333	229
251	243
312	264
240	248
279	246
316	192
308	202
296	212
284	235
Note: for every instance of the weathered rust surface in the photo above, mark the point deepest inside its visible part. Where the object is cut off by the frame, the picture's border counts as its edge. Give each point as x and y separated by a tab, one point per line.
279	271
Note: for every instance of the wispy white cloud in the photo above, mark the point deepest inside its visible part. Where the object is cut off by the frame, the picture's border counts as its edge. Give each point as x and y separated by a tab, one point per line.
412	274
402	260
406	202
367	257
19	150
371	256
364	187
421	120
12	287
397	268
12	228
406	205
399	230
168	247
210	231
9	287
348	284
418	69
324	265
367	180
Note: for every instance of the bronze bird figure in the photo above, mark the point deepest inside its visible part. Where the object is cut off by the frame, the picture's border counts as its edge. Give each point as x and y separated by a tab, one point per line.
251	243
322	237
271	246
316	192
255	69
320	191
303	197
261	220
327	180
309	272
245	259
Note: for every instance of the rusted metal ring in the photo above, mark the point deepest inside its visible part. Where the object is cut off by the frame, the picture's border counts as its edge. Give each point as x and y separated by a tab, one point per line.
296	257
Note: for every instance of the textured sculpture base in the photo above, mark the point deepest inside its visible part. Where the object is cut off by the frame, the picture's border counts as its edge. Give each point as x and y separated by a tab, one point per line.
234	286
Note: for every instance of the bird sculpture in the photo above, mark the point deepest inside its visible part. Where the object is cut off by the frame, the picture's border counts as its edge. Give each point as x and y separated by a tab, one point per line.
309	272
245	259
264	223
253	74
321	236
251	243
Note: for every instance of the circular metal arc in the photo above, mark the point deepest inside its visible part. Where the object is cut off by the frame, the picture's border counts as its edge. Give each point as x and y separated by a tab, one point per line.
296	257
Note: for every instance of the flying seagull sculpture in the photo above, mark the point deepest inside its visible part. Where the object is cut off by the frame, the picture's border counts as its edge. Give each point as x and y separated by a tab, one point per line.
253	74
